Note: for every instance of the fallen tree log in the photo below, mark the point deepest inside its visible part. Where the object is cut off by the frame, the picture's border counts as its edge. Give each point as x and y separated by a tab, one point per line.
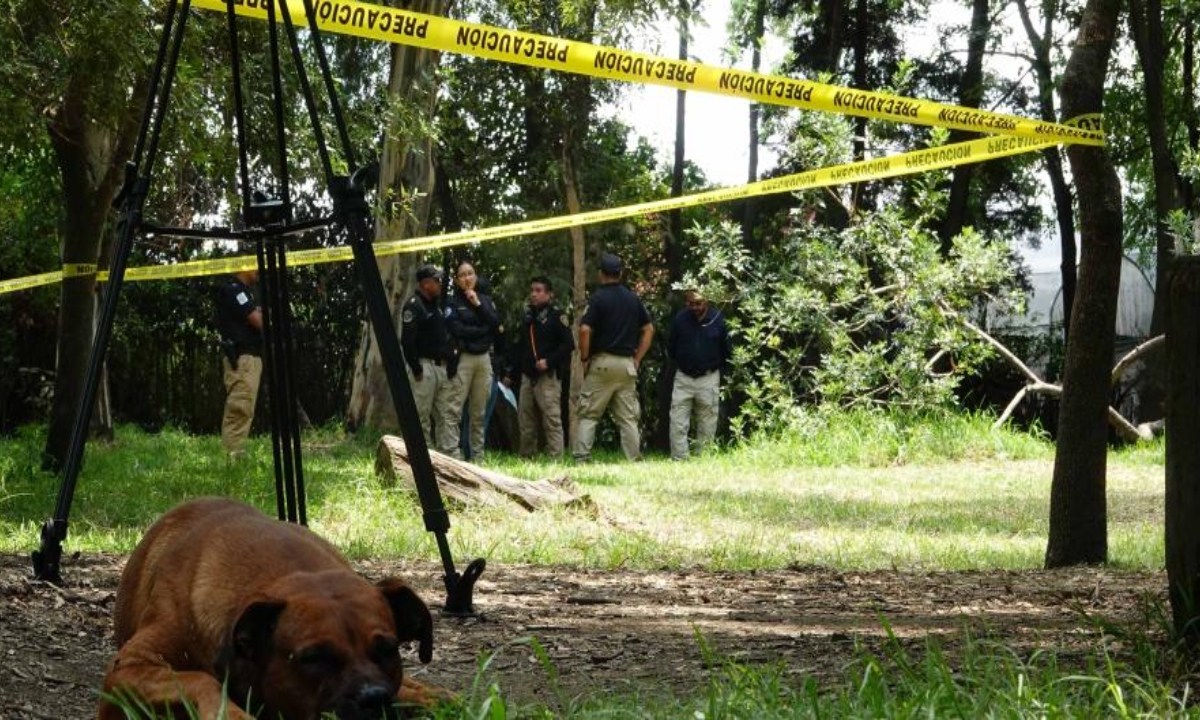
473	485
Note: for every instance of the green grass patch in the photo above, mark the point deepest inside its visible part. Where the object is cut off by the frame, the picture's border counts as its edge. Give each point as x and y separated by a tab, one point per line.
854	491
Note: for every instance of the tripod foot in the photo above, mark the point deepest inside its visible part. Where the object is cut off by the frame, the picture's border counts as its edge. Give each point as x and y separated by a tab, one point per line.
47	560
460	590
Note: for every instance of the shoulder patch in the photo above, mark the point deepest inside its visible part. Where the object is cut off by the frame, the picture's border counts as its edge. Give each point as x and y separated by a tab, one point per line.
408	315
563	319
243	298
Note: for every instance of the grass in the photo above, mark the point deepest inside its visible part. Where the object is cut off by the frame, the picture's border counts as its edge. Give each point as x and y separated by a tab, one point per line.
849	492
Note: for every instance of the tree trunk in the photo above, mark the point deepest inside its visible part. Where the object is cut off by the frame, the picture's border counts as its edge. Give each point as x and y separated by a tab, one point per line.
91	159
1183	449
750	207
858	201
1190	113
406	168
578	289
970	94
1145	20
673	247
1078	510
1064	208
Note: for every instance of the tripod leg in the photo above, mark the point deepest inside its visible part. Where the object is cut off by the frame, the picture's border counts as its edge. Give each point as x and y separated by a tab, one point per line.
459	588
47	559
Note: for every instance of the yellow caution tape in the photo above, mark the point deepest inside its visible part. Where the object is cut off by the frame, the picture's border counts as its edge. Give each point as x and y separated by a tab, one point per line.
378	22
936	158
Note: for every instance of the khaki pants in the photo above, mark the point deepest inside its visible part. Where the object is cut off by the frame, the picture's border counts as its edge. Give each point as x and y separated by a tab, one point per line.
429	394
241	393
699	397
471	385
540	398
610	379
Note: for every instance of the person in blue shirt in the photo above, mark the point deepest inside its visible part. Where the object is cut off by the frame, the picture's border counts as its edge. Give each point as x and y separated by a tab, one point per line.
700	347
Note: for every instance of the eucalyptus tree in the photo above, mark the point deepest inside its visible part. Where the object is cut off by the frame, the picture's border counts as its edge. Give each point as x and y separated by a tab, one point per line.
406	186
71	80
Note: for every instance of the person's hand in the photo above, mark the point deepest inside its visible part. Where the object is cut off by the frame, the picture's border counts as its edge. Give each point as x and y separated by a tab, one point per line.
472	297
542	365
506	381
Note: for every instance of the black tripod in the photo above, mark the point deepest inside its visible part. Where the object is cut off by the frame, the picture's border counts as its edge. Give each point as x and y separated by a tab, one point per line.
267	222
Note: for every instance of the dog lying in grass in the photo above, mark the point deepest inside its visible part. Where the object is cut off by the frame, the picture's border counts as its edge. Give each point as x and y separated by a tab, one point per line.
225	612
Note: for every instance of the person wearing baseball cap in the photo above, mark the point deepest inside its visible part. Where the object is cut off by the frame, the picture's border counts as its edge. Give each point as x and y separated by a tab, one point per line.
426	349
614	335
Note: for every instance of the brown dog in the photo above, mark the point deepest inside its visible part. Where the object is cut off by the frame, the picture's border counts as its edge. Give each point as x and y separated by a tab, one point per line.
218	596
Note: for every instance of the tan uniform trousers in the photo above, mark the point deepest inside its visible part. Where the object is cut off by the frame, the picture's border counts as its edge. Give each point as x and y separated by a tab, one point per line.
471	386
241	393
698	397
540	400
430	393
610	379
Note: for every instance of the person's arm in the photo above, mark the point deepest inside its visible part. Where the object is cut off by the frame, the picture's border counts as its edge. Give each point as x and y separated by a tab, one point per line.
643	344
564	343
254	319
673	341
585	344
408	340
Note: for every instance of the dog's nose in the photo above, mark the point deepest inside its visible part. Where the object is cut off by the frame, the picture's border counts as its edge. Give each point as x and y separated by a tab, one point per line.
373	697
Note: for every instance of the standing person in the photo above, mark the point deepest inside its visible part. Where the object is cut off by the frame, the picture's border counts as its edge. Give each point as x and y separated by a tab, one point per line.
545	344
700	347
427	352
614	336
239	321
472	322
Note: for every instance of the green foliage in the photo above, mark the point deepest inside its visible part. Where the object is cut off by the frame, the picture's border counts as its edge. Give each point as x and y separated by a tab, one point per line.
862	318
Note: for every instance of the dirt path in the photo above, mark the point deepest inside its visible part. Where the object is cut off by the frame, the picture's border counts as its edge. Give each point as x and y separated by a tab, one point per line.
606	630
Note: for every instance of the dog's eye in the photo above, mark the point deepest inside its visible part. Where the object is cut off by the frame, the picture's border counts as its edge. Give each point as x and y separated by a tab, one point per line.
319	660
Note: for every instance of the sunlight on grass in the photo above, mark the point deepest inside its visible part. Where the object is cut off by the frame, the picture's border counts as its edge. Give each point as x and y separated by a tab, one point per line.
951	495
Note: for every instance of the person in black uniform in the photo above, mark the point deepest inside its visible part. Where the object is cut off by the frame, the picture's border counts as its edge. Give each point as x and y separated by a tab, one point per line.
544	346
472	323
614	335
427	352
239	322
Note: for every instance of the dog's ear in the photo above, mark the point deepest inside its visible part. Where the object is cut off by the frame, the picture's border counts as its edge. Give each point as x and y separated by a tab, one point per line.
250	637
240	661
413	621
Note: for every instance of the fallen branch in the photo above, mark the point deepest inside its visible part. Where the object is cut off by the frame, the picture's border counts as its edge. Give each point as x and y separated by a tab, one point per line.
471	484
1125	429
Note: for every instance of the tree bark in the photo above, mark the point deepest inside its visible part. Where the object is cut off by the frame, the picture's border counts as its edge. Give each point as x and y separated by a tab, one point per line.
578	290
1145	20
750	207
1183	449
473	485
406	174
1078	510
970	94
1064	208
91	159
673	247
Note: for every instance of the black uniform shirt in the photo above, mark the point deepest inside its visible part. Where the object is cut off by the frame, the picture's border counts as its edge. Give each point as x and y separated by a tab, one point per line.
235	302
473	327
616	316
545	335
423	332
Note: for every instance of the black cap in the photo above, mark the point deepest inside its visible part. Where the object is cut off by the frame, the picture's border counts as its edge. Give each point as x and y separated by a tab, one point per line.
428	271
610	264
